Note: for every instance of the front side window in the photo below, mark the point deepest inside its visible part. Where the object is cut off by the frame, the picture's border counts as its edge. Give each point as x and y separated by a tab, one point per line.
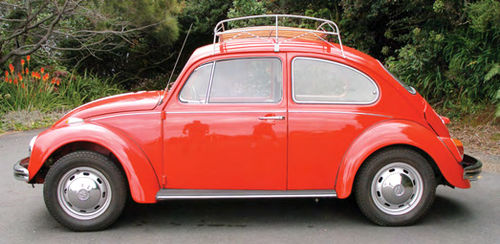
195	89
323	81
250	80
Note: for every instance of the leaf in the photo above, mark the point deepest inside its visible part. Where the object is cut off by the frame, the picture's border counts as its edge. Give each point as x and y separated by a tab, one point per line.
495	70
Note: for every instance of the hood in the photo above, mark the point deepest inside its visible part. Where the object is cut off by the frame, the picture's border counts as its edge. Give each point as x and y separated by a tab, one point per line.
143	100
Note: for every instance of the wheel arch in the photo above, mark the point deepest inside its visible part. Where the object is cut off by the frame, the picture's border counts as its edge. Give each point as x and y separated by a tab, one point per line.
430	160
142	179
398	133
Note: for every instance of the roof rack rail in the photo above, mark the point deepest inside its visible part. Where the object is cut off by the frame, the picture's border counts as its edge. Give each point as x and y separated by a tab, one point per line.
278	34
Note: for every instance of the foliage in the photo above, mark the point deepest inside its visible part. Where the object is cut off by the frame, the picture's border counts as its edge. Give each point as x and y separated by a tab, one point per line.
106	37
143	53
43	89
497	113
457	68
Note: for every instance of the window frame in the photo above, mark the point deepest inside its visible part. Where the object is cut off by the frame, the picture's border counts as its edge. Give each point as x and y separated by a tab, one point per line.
211	78
185	83
335	63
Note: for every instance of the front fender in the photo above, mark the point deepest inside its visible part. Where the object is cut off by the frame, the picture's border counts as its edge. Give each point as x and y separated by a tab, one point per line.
143	181
397	132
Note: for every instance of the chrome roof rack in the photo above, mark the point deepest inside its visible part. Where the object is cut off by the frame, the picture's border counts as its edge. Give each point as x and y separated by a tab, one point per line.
324	30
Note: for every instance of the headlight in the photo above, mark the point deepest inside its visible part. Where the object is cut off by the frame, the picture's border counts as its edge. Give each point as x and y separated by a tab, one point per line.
32	143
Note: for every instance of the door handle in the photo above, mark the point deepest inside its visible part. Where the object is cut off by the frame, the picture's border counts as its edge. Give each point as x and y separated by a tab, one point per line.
272	118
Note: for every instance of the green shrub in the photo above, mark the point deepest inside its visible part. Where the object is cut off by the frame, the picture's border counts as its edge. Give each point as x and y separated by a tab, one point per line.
457	68
47	90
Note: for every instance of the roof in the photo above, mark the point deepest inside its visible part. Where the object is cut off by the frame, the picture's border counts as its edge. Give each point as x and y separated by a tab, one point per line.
255	45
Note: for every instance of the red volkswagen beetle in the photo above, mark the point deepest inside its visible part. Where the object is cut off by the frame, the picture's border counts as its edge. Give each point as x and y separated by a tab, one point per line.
264	112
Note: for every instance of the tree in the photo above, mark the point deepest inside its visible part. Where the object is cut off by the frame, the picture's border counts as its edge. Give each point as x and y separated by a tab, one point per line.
82	28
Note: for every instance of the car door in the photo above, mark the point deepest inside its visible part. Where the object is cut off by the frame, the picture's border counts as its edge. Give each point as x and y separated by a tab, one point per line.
226	126
331	103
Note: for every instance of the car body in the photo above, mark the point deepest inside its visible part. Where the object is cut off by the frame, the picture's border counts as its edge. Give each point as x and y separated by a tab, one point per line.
282	140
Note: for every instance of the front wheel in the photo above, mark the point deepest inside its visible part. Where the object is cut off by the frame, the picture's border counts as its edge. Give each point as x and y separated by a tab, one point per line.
85	191
395	187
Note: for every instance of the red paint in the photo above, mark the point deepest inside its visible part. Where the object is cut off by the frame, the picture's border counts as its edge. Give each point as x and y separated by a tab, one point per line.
163	143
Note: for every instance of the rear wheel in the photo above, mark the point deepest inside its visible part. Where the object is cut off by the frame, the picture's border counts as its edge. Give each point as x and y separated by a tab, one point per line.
395	187
85	191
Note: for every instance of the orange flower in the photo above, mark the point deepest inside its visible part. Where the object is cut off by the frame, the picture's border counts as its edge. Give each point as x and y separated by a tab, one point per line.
28	58
11	67
35	75
42	70
15	81
22	62
6	73
45	77
22	85
27	71
6	79
10	80
20	77
56	81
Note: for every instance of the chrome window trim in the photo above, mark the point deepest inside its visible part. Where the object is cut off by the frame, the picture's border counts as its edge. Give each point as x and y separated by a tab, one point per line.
210	82
184	85
243	58
214	62
335	63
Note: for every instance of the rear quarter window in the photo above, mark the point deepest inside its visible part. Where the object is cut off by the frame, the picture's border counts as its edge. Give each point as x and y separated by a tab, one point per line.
323	81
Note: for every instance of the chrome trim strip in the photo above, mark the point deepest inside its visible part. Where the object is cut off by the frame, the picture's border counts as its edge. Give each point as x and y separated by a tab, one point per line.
337	112
210	82
335	63
21	173
223	112
171	194
125	114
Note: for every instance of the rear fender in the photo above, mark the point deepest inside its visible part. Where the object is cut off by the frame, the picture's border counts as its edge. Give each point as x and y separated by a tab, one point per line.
142	179
397	132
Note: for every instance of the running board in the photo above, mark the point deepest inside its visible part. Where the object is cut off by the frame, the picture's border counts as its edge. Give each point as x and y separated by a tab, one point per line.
169	194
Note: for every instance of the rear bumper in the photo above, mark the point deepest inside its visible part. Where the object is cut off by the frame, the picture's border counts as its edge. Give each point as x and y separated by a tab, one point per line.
472	167
21	170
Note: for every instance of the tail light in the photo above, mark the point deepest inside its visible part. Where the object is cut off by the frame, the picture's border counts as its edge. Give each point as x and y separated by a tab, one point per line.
459	145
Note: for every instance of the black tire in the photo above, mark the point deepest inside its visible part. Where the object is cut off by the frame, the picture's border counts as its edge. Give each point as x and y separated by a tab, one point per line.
376	207
99	166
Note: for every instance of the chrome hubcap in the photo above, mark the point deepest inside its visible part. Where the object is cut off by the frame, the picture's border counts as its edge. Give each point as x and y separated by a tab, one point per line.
84	193
397	188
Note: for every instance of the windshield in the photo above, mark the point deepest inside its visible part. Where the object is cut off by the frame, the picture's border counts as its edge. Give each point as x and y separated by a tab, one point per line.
409	88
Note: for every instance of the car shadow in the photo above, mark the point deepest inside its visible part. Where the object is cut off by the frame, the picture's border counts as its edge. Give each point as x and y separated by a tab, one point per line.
242	213
256	213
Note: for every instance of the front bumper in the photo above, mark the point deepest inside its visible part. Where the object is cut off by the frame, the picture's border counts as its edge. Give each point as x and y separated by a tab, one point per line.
472	167
21	170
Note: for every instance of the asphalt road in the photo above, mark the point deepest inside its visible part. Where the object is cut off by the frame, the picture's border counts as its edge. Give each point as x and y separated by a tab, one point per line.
458	216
